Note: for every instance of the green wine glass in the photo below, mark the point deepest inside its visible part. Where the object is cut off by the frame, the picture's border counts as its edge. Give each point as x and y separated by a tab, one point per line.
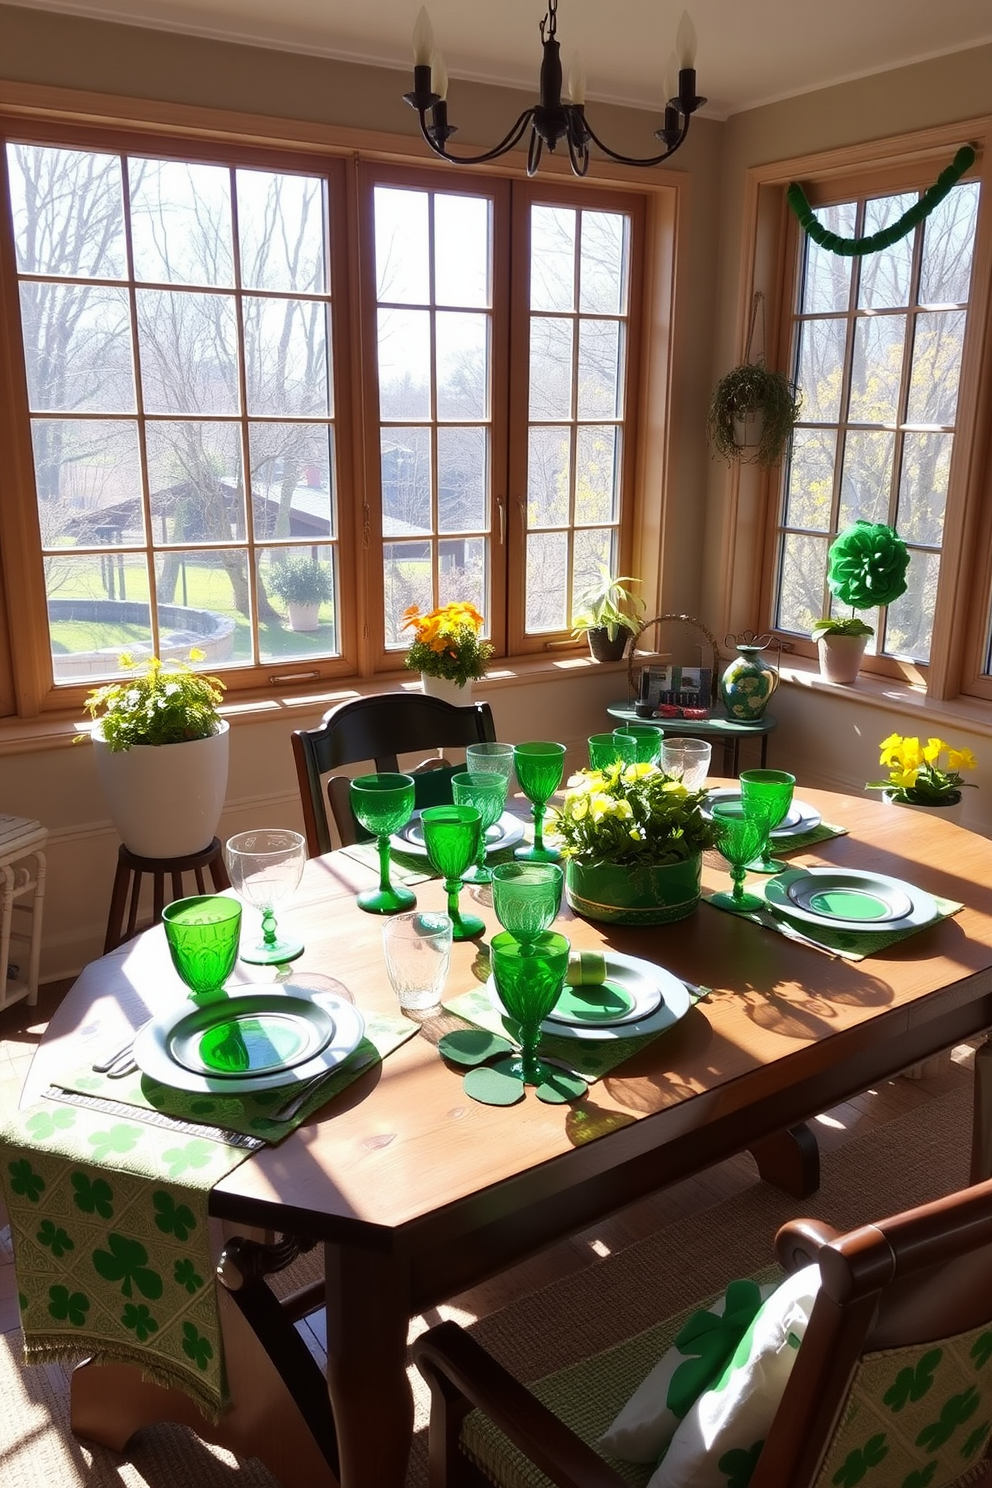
451	837
487	793
742	832
607	749
383	804
529	980
527	898
773	790
539	770
203	933
647	740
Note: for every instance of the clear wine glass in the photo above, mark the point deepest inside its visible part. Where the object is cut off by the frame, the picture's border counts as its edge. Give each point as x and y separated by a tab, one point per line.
383	804
265	866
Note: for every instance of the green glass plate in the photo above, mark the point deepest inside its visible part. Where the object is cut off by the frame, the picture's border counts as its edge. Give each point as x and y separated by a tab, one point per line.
850	899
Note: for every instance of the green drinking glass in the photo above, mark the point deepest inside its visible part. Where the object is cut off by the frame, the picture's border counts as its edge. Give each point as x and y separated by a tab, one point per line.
529	980
203	934
527	898
383	804
451	837
607	749
487	793
647	737
742	833
539	770
771	789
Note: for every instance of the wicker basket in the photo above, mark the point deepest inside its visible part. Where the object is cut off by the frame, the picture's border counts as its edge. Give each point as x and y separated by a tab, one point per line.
635	661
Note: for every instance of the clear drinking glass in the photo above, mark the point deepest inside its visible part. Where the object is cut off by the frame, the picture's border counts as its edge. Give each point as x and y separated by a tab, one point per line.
417	948
539	768
687	760
202	934
383	804
265	866
451	837
771	789
481	759
487	793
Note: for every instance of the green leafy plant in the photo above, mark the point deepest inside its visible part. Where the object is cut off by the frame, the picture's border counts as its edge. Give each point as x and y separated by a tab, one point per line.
753	390
853	626
922	774
447	642
608	605
866	566
156	703
302	581
631	814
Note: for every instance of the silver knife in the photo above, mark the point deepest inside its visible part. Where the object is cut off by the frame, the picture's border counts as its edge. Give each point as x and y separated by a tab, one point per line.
155	1118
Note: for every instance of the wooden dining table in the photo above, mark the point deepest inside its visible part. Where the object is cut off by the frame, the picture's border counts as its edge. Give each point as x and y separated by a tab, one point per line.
417	1192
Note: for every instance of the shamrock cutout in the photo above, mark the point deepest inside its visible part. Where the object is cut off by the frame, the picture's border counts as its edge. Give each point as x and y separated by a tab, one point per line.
976	1439
172	1218
954	1414
981	1350
860	1462
186	1276
25	1181
120	1138
92	1195
125	1261
195	1154
68	1307
196	1347
711	1340
137	1317
913	1384
923	1478
45	1124
56	1239
739	1464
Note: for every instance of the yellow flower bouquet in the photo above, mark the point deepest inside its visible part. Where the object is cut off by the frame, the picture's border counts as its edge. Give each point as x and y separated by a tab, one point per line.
447	642
631	814
923	774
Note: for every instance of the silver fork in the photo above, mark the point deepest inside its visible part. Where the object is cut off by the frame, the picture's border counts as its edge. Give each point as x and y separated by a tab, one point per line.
302	1094
104	1066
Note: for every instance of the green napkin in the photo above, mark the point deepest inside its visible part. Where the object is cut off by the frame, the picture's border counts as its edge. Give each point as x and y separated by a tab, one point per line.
853	945
822	832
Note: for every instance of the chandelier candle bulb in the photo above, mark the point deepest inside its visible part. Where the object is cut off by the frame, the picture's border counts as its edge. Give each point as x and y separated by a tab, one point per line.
577	80
423	39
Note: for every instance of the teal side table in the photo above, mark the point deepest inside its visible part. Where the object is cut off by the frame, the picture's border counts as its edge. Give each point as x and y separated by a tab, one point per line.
727	731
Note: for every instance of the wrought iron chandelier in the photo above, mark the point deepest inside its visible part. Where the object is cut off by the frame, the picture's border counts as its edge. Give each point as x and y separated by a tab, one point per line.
553	119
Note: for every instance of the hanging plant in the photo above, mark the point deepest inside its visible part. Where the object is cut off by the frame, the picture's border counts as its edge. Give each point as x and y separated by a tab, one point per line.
753	393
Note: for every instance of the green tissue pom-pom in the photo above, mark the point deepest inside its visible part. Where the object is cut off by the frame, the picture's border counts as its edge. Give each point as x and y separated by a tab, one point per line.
867	565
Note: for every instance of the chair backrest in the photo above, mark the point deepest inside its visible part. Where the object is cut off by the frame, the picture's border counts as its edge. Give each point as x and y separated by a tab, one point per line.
378	728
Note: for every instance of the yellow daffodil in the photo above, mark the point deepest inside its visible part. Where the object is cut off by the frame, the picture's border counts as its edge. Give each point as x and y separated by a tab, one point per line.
915	771
961	759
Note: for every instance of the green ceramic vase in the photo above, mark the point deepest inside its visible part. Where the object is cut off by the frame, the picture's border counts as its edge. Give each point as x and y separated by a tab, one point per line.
621	894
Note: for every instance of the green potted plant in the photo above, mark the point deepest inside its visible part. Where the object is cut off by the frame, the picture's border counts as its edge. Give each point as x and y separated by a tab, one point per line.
303	584
608	615
753	412
161	755
923	774
447	649
866	566
632	840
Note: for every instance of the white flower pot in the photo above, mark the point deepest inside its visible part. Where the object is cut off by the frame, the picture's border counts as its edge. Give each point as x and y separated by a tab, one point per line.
949	811
840	656
451	692
165	800
304	617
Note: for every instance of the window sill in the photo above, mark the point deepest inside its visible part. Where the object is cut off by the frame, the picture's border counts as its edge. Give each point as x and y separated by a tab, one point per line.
58	730
891	696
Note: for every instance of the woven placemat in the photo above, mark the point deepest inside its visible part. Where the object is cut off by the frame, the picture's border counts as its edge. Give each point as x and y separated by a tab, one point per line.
853	945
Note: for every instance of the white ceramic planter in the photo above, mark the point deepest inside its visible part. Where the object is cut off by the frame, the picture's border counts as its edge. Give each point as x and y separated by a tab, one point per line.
950	812
304	617
165	800
840	656
451	692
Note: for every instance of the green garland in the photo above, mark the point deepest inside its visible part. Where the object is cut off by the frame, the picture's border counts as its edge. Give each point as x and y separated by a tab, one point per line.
874	242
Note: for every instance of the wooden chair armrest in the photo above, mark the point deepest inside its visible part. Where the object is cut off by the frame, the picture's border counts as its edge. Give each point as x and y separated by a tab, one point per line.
447	1356
799	1242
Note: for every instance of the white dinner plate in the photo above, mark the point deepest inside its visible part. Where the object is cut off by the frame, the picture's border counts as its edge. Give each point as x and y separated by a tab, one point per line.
820	896
674	1004
289	1034
643	993
800	818
507	832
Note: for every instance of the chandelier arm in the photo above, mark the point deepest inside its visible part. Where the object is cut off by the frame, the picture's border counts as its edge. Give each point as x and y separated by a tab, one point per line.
633	159
511	138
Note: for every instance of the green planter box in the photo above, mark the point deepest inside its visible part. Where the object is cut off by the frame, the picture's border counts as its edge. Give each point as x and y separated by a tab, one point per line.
625	895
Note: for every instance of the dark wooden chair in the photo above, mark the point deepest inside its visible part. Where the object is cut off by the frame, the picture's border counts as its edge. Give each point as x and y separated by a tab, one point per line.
379	729
902	1284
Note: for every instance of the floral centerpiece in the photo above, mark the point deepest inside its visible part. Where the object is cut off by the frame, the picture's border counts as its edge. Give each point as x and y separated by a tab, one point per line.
632	839
917	776
447	643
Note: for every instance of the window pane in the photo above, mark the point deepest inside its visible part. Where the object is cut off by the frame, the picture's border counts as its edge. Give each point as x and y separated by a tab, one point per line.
948	243
599	369
809	491
462	366
866	480
603	263
550	369
402	246
407	580
292	474
88	480
548	477
194	482
876	374
552	258
404	364
597	474
405	456
821	369
547	581
885	275
827	285
801	584
181	222
77	348
205	593
933	386
282	231
594	551
68	212
97	608
462	480
297	627
462	571
462	263
926	464
286	356
909	628
188	347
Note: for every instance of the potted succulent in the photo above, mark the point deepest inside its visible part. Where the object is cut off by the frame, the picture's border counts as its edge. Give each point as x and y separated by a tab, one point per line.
632	840
303	584
752	414
866	566
161	755
447	649
608	615
918	774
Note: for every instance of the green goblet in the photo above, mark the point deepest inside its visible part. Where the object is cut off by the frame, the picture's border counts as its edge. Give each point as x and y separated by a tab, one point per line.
451	836
606	749
647	737
487	793
383	804
539	771
743	831
527	898
203	934
529	980
771	789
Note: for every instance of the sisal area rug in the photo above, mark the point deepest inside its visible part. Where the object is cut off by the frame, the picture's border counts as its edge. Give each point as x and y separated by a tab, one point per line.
912	1159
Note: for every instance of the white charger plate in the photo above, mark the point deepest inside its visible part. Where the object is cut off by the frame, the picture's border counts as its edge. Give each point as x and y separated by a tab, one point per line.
325	1028
674	1004
645	991
795	892
506	832
800	818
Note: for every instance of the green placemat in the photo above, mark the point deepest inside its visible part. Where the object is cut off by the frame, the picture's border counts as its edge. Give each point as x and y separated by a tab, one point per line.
252	1113
591	1058
853	945
820	833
